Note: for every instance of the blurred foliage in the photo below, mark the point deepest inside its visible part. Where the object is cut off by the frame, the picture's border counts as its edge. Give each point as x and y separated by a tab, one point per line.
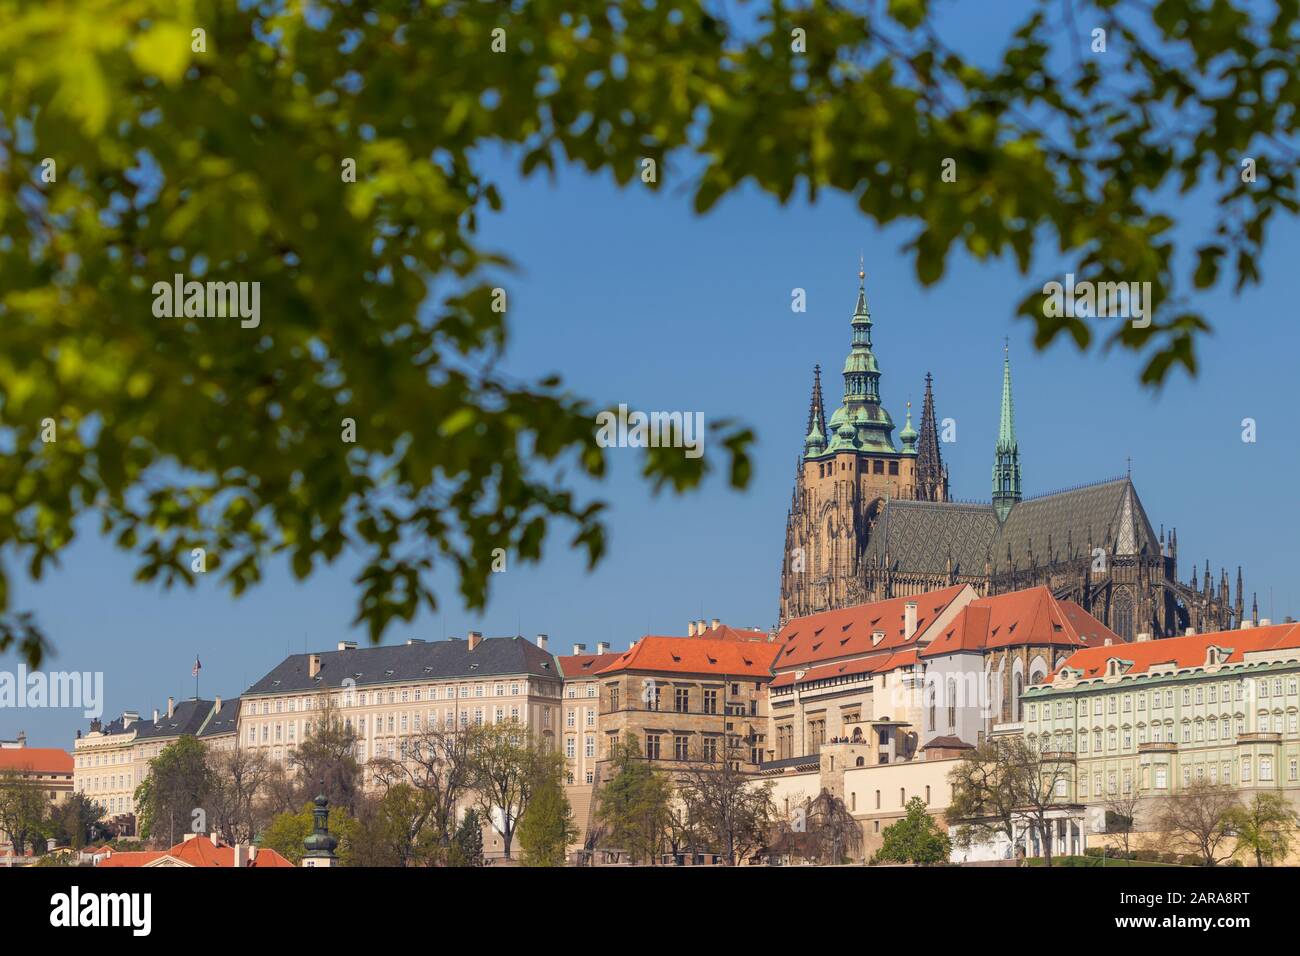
225	164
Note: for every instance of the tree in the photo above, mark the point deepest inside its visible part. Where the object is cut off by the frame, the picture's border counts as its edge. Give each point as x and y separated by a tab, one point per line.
1121	812
439	762
22	809
546	828
237	778
392	829
634	803
285	834
325	761
467	845
298	175
834	836
171	800
731	810
507	762
1197	820
1006	786
914	839
1263	827
70	822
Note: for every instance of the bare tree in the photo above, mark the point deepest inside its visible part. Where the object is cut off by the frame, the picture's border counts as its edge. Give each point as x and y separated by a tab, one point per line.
833	835
1005	786
439	764
507	761
1121	812
1198	820
729	808
235	790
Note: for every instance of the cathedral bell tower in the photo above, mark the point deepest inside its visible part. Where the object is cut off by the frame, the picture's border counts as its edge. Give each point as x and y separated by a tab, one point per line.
1006	457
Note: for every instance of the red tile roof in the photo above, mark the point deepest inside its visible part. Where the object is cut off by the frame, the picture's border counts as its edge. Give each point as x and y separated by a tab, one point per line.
874	664
1032	616
846	632
580	665
35	759
696	655
1183	651
197	851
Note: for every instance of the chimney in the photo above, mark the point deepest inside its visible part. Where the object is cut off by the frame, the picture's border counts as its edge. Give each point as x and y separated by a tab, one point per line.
22	738
1265	621
240	855
475	639
347	645
1108	642
252	853
155	715
1247	624
602	647
579	649
541	641
714	625
909	620
1144	636
216	840
313	665
690	628
414	640
171	707
701	626
129	717
1190	632
216	708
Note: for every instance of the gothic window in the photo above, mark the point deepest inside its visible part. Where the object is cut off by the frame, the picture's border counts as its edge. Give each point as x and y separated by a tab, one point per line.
1121	617
952	704
1018	688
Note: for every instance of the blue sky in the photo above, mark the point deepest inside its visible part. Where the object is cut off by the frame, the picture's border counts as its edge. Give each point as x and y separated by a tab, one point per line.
632	298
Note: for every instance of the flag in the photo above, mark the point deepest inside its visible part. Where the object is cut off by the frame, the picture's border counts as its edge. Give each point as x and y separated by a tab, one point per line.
194	672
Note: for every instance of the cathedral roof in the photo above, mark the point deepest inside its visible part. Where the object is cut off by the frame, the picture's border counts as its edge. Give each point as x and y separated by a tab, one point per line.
919	536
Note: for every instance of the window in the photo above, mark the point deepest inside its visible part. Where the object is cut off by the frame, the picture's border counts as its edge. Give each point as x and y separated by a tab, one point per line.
652	746
710	748
589	747
1162	776
1245	769
570	747
680	747
1265	769
682	700
710	700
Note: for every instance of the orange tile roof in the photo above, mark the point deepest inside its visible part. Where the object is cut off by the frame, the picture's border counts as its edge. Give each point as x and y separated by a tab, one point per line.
1032	616
696	655
35	759
829	635
874	664
584	665
197	851
1183	652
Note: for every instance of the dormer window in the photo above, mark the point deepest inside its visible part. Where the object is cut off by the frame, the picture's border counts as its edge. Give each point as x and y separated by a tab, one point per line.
877	637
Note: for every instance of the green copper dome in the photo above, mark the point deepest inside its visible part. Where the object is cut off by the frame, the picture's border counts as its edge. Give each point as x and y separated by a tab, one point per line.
908	435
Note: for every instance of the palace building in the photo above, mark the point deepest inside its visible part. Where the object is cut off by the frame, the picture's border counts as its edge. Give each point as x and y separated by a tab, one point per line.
870	521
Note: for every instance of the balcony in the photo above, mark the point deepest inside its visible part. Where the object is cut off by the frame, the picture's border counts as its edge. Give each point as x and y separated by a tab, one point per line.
1058	756
1158	747
1259	738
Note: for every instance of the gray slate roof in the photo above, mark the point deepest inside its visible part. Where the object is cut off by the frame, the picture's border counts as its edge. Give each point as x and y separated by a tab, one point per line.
224	721
187	718
493	657
918	536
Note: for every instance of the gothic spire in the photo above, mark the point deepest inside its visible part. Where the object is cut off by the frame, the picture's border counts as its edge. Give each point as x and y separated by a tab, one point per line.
861	423
1239	607
815	435
1006	462
931	480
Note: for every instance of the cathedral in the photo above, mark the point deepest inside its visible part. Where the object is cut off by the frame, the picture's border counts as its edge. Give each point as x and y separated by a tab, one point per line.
870	521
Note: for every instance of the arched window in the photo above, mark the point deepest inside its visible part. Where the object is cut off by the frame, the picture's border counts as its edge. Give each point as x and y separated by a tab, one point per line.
930	692
1121	617
1018	687
952	704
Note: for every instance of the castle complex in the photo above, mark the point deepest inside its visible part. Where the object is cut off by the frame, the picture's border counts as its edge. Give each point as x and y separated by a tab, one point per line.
869	521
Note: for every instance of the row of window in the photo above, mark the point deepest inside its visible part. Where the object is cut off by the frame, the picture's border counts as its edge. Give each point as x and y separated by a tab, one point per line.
391	723
1190	731
1264	688
1220	772
404	695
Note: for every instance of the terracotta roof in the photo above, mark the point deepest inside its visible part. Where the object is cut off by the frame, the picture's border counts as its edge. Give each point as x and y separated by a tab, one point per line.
696	655
1032	616
582	665
197	851
846	632
874	664
725	632
1182	651
35	759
